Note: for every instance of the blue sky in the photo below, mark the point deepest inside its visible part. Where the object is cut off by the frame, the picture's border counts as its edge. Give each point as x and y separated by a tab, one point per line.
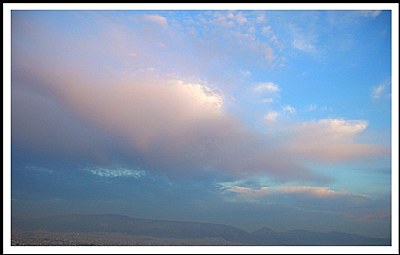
255	118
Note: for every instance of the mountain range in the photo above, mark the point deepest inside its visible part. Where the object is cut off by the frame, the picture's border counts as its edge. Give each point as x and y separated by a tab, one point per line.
183	230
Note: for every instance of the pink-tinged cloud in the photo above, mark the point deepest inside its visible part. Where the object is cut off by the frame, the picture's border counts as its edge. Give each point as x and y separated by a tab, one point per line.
169	123
318	192
271	116
146	113
332	140
177	124
173	125
229	19
157	19
306	191
269	55
374	215
41	125
183	128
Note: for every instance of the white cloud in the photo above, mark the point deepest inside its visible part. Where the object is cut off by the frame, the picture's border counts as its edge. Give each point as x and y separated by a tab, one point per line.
267	101
260	18
377	91
371	13
245	73
200	93
39	169
289	109
160	20
271	116
229	19
303	45
267	30
341	127
267	87
116	172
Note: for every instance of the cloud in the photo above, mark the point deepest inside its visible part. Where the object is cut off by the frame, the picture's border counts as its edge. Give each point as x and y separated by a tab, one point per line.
229	19
43	126
289	109
235	36
373	14
267	101
39	169
377	91
305	38
269	55
146	112
159	121
312	107
248	192
260	18
245	73
269	87
271	116
303	45
306	191
267	30
116	172
157	19
332	140
161	124
321	199
316	192
240	18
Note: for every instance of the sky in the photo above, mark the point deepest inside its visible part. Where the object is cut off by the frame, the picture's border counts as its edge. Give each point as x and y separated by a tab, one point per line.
251	118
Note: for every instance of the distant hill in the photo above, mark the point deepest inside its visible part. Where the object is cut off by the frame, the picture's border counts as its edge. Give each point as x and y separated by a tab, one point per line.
306	237
186	230
132	226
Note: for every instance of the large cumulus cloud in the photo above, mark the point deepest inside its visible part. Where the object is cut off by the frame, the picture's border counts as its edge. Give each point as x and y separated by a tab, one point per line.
66	105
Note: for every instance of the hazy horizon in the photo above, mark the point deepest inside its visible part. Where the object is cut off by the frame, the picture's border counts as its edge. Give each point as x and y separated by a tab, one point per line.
278	119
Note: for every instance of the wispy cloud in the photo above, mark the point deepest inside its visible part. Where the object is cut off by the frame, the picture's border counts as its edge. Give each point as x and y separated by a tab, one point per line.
269	55
39	169
305	38
245	73
306	191
289	109
267	101
267	31
378	91
303	45
370	13
312	107
157	19
269	87
271	116
116	172
229	19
